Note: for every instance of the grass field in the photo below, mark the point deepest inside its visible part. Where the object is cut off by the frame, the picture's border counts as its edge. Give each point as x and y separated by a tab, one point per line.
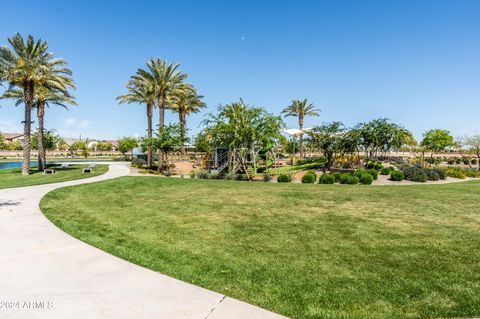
12	177
305	251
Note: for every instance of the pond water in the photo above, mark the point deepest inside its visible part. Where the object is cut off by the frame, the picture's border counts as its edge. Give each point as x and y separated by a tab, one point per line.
15	164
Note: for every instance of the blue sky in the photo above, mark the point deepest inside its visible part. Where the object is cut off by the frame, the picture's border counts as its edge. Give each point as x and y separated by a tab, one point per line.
416	62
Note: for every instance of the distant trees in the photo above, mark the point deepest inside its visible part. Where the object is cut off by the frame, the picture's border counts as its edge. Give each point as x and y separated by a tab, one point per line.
83	146
2	142
437	140
380	136
104	146
127	145
51	140
474	143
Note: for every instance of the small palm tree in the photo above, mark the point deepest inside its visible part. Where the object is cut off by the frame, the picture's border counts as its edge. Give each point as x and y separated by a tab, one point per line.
185	101
28	65
300	109
142	91
166	79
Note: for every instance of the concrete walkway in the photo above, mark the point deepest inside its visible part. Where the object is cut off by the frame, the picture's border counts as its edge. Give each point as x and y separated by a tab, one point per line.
45	273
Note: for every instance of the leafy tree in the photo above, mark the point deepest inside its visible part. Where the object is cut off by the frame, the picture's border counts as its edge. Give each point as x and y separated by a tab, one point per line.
28	65
474	143
202	144
379	136
142	90
2	142
329	139
290	145
245	131
185	101
14	146
127	144
82	146
104	146
300	109
167	141
437	140
51	140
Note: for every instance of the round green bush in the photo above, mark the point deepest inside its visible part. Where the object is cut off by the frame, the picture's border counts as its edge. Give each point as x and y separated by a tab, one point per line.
432	174
284	178
349	179
327	179
397	176
378	166
366	179
309	178
385	171
337	176
372	172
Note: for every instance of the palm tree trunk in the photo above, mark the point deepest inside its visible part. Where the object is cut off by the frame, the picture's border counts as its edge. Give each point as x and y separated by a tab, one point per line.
161	125
28	93
41	137
182	120
300	125
149	134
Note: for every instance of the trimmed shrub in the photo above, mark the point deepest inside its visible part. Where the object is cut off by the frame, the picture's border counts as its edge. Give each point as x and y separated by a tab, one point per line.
455	173
370	164
337	176
432	174
366	179
284	178
138	162
203	175
385	171
397	176
378	166
327	179
414	173
309	178
349	179
373	172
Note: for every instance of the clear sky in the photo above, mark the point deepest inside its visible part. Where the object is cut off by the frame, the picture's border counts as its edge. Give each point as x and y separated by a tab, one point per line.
416	62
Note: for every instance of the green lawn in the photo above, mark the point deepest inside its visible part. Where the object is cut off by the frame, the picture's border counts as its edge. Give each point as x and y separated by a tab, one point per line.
305	251
13	178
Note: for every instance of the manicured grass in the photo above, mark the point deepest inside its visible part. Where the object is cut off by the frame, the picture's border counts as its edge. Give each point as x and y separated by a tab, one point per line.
306	251
13	178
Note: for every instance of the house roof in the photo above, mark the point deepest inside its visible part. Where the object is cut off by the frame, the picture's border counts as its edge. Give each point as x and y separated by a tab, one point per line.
11	136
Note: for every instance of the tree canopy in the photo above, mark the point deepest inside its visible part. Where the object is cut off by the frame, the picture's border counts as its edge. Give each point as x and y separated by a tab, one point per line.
437	140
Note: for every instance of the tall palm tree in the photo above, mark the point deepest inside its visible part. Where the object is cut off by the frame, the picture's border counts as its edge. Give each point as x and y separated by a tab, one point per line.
300	109
166	79
28	65
185	101
142	91
43	97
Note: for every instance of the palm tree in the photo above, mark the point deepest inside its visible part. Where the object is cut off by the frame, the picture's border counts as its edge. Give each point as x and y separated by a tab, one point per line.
28	65
140	90
185	101
300	109
166	79
43	97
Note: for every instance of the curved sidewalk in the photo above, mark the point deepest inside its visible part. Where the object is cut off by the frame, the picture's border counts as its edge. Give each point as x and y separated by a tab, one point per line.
45	273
